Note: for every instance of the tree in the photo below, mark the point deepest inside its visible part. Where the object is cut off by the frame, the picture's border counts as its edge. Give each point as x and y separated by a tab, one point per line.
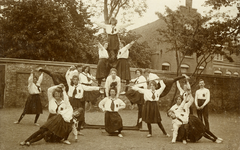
189	33
139	54
111	8
47	30
217	4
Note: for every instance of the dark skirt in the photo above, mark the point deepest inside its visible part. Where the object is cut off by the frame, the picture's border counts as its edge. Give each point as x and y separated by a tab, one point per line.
33	104
113	122
113	43
196	128
91	96
103	68
123	69
51	115
151	112
76	103
135	97
58	126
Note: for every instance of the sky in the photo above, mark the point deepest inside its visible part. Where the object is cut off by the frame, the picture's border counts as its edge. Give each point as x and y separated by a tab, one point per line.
159	6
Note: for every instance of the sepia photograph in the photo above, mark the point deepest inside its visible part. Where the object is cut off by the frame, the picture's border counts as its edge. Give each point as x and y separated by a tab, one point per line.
119	74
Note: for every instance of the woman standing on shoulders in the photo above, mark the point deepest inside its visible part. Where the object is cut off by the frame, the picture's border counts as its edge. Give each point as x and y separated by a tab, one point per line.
135	97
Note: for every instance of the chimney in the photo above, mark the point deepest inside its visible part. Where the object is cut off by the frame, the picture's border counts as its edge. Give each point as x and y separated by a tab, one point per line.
189	3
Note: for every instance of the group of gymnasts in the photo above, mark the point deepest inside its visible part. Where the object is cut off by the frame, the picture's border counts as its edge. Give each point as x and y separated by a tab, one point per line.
73	88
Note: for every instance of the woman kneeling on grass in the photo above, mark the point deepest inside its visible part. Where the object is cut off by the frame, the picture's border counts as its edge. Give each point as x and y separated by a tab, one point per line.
59	125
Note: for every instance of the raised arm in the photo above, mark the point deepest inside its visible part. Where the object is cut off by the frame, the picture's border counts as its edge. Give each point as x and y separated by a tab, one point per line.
101	25
67	76
140	90
50	92
179	88
162	87
125	25
40	80
128	46
30	79
100	46
190	100
90	88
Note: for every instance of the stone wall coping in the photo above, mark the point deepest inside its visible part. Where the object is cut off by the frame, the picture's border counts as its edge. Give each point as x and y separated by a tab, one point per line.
68	64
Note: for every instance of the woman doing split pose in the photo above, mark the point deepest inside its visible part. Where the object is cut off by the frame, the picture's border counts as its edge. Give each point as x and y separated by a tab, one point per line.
75	94
135	97
86	78
33	104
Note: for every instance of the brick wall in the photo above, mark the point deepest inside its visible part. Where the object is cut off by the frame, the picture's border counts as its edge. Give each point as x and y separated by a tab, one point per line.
224	90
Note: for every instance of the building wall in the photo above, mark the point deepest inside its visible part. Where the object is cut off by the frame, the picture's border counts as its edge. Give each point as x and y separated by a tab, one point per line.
225	91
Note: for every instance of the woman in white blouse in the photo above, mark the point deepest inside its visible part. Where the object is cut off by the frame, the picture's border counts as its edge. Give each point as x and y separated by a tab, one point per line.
111	105
59	126
33	104
135	97
86	78
112	30
151	112
103	64
75	93
123	67
113	81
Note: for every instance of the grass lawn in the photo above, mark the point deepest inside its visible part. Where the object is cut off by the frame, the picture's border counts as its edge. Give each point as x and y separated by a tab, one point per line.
226	126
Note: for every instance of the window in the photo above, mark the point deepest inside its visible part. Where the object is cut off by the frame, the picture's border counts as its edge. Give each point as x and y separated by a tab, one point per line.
218	72
228	73
184	68
218	57
235	74
165	66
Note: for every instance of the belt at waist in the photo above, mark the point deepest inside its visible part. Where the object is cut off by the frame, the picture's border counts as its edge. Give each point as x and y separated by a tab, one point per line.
202	99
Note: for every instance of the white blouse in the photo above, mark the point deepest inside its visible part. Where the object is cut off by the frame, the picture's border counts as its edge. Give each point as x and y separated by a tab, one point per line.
152	77
86	78
63	108
80	90
105	104
32	87
140	82
102	52
109	80
148	93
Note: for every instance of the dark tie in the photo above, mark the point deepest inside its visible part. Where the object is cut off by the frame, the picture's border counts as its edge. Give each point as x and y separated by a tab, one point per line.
180	120
57	106
112	30
153	96
112	105
74	92
38	88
